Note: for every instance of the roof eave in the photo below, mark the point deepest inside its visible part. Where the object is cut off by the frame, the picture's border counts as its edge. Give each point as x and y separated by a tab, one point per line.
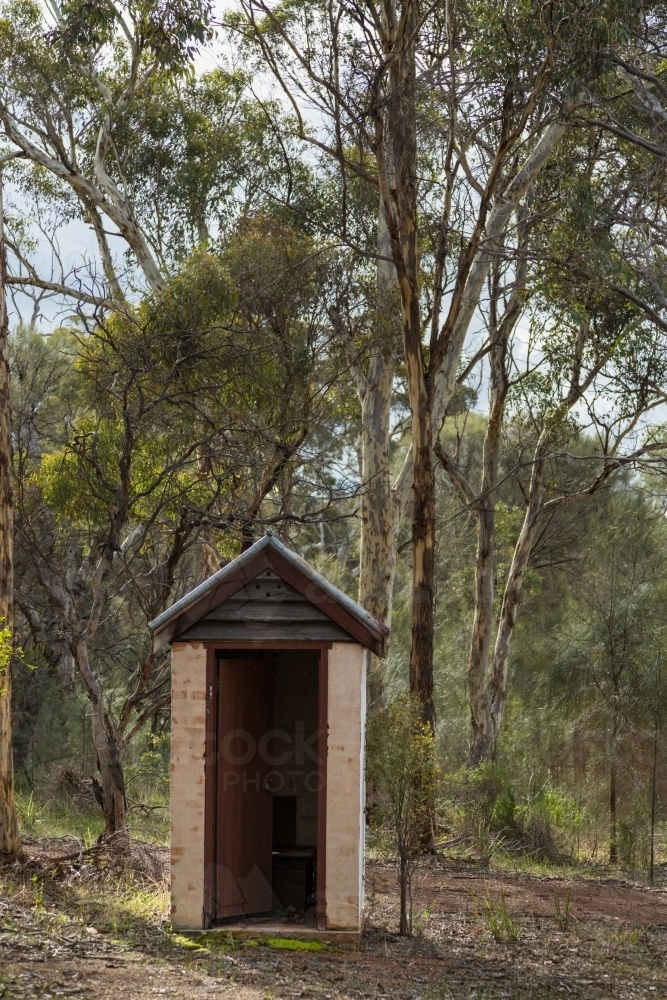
358	622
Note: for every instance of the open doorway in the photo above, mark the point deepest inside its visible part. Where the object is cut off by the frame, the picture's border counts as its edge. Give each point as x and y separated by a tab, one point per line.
269	774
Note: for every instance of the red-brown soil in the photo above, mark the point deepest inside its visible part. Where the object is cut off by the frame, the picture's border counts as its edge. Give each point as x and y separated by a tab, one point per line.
65	933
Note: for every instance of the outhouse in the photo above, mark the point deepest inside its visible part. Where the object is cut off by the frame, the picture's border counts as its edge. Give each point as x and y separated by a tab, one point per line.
267	744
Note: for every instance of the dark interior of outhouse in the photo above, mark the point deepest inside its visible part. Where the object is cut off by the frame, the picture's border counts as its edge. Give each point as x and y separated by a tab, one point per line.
268	780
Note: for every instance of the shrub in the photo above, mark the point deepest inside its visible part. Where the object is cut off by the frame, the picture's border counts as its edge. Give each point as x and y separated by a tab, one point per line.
401	766
493	816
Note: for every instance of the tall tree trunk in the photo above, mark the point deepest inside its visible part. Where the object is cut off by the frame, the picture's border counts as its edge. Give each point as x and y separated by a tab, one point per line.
401	207
377	555
10	841
483	505
423	556
654	787
441	387
510	605
483	743
480	641
379	515
110	788
485	512
523	548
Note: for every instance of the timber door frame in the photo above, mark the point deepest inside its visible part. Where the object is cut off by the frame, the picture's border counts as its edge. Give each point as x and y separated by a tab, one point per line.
213	651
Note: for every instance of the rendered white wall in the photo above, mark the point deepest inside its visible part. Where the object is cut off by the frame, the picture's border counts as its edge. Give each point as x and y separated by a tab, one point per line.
345	787
188	728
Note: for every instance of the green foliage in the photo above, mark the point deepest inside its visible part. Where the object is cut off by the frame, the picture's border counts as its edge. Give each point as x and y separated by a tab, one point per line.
496	916
496	819
6	653
147	771
209	156
562	908
401	765
633	838
170	32
401	770
485	795
29	812
44	818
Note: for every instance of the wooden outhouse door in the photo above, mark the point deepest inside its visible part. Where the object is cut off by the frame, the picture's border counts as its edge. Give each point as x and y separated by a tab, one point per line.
244	821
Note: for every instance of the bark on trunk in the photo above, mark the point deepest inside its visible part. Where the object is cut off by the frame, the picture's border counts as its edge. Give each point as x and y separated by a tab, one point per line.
380	517
377	556
510	607
110	788
485	510
403	881
423	569
10	842
480	641
401	207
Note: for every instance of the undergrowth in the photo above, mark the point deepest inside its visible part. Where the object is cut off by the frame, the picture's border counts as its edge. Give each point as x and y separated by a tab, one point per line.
147	821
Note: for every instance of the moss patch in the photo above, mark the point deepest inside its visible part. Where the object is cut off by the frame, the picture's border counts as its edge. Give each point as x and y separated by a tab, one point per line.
295	944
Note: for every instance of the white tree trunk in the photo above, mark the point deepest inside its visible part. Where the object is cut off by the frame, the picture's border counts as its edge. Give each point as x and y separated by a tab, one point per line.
118	211
377	546
496	226
512	595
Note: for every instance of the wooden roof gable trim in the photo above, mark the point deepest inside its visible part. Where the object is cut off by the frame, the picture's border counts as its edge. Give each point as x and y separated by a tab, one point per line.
326	602
268	552
211	597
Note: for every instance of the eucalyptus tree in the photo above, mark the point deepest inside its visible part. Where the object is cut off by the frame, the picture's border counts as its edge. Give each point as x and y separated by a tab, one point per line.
174	426
595	364
368	84
575	382
64	83
99	508
613	170
112	127
601	207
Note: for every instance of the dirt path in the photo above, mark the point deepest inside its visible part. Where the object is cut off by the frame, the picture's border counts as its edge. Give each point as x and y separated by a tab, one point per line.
58	942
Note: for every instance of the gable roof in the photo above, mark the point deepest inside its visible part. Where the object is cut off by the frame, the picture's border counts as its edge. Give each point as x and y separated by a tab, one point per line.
270	553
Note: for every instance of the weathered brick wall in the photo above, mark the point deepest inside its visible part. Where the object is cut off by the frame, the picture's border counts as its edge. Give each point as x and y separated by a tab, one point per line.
345	786
188	727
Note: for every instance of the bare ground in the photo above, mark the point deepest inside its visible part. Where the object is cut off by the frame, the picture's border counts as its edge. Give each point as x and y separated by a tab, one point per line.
74	929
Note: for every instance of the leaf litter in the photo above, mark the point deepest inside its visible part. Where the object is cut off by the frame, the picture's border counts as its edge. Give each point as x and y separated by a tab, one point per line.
90	924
